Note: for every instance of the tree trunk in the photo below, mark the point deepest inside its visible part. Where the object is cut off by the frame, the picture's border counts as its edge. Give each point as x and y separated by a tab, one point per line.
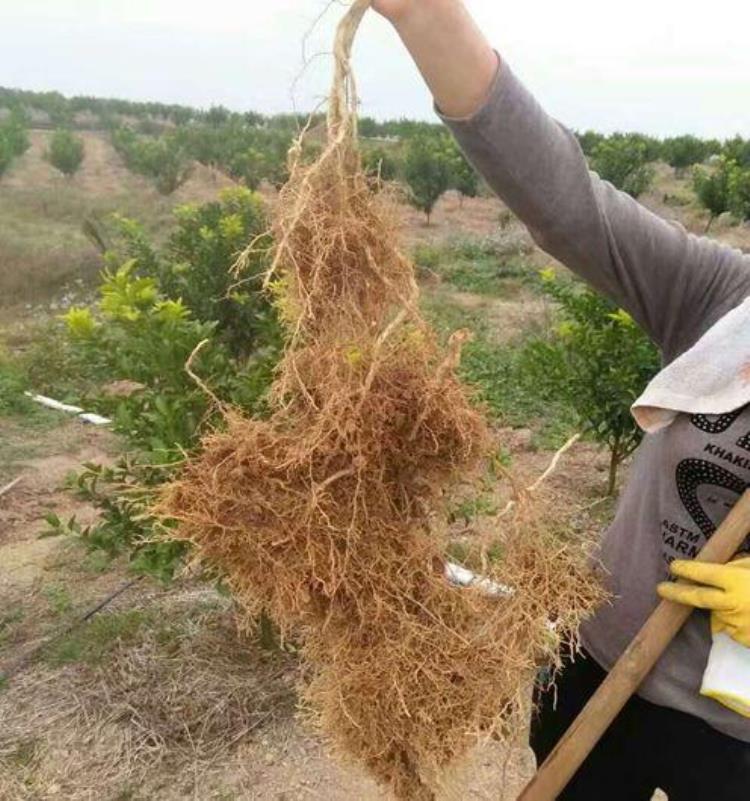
614	463
710	221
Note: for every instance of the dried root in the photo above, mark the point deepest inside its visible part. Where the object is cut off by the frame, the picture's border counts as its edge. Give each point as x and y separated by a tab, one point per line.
327	516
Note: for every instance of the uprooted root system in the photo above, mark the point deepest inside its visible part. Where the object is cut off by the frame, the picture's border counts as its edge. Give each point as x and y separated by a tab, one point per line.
329	515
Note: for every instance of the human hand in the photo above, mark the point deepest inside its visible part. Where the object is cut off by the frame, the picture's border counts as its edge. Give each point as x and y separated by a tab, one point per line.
722	589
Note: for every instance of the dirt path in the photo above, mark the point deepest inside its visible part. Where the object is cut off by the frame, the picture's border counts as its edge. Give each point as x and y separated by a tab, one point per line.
289	765
42	457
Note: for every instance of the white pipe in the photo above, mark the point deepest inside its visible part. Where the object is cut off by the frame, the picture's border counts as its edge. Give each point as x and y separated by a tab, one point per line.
465	578
51	403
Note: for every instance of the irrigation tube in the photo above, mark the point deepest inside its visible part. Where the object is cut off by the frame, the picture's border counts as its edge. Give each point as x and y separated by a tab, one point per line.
51	403
463	577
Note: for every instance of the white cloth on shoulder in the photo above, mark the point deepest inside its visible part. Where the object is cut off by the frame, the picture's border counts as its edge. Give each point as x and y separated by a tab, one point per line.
713	377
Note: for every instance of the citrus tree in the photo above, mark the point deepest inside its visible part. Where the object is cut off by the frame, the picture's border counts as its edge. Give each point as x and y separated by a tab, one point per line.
739	192
623	160
427	171
464	178
713	188
194	265
14	139
163	158
737	150
682	152
589	140
65	151
599	361
382	162
156	305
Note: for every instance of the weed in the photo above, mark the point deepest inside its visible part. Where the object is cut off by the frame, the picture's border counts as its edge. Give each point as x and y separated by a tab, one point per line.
24	752
472	508
58	597
12	387
9	620
96	562
502	376
492	266
56	526
93	641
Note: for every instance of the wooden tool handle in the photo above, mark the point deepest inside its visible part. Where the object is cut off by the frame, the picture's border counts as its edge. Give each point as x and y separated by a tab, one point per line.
631	669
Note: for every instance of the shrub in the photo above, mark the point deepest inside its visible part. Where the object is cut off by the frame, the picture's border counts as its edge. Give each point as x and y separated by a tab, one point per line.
623	160
65	151
598	361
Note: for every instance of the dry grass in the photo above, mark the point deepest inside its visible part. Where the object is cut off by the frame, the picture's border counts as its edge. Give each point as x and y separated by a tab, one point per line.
183	693
42	247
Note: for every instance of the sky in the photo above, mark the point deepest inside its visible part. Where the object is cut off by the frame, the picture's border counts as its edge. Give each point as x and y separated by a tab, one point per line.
658	66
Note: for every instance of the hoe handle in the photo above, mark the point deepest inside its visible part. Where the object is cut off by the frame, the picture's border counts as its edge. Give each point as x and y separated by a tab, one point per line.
631	669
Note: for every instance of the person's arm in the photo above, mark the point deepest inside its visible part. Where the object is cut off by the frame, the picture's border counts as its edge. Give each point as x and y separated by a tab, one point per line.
674	284
455	59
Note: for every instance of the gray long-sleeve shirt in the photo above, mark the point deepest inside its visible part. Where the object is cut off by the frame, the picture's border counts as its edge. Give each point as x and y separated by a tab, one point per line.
676	285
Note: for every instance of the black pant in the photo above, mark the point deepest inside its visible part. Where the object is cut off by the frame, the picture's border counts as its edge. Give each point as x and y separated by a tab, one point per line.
647	747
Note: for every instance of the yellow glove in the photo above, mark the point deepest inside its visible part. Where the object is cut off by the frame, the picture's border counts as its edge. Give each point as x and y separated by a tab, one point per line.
723	589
